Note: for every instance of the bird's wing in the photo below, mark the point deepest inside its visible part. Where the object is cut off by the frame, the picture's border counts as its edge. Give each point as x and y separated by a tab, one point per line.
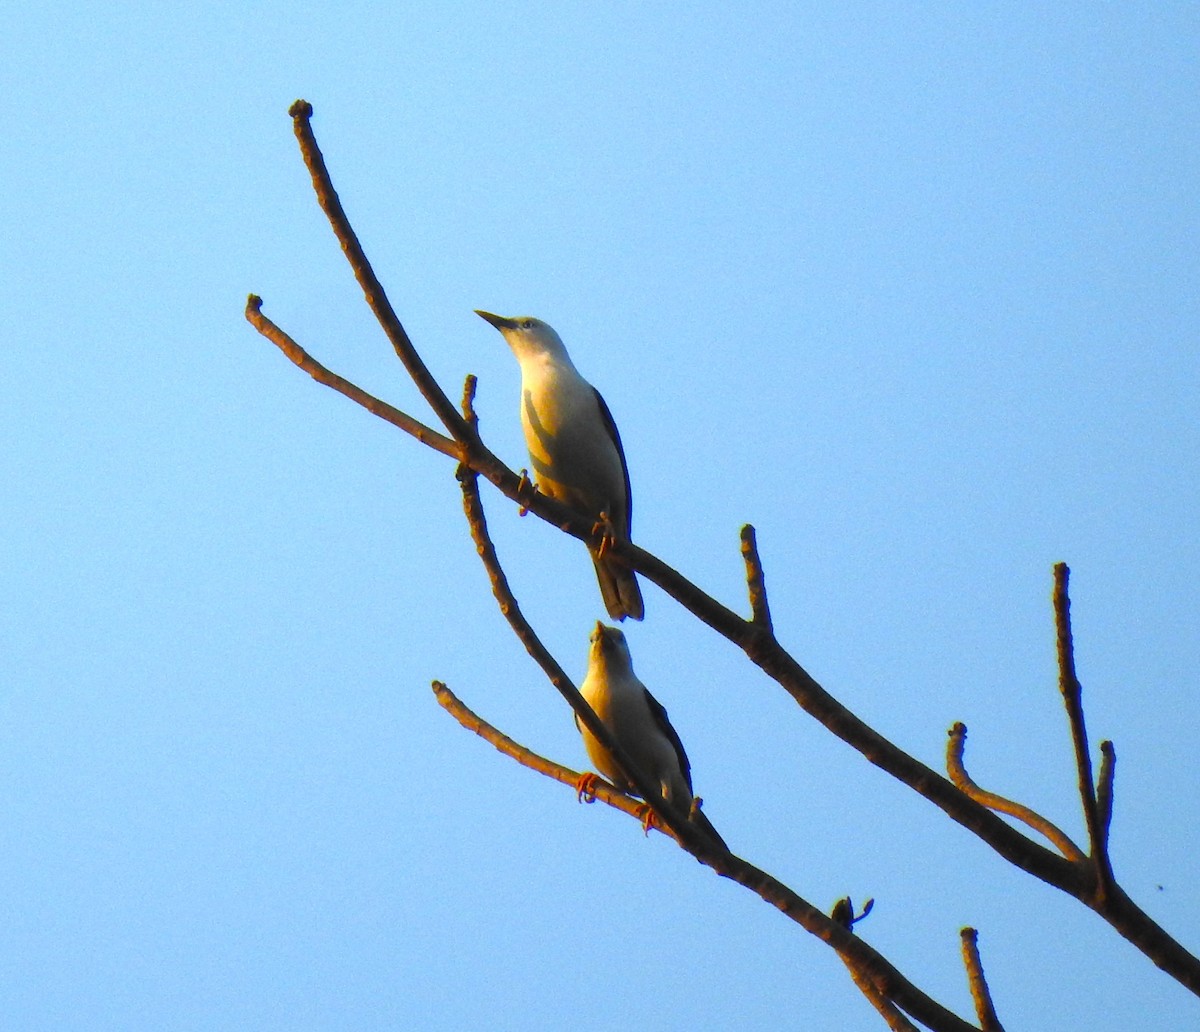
659	713
611	426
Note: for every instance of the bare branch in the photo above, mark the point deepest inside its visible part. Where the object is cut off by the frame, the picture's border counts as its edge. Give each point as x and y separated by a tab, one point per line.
1072	693
756	585
843	914
301	112
1104	788
980	994
1093	886
958	774
874	975
696	841
318	372
603	791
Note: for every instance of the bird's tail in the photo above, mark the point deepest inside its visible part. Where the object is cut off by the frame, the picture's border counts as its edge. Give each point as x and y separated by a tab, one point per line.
619	589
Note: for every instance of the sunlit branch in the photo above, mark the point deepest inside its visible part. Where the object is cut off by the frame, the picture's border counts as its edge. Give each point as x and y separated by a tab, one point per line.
1072	693
756	584
874	975
318	372
301	112
603	791
1092	884
958	774
697	842
985	1010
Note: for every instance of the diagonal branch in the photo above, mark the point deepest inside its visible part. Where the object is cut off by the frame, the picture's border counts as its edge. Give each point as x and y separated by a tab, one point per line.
875	976
958	774
603	791
318	372
301	112
694	840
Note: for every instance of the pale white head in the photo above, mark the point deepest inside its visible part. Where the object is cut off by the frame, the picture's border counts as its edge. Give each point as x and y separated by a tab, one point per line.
609	647
527	336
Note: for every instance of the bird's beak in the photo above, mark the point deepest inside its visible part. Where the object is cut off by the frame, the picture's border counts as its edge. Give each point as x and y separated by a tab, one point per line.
499	321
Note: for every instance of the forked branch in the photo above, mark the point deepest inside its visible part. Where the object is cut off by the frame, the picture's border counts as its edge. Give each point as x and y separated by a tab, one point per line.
1093	885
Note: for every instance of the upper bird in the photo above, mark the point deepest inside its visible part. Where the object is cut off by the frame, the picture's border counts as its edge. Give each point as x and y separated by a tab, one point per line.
638	722
574	447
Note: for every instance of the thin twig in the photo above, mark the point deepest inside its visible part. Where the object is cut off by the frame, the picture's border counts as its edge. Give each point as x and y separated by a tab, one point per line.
602	790
985	1010
402	420
958	774
1072	693
301	112
756	585
1104	788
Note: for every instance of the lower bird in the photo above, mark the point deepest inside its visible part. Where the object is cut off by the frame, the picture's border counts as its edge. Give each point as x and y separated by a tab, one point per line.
574	448
639	724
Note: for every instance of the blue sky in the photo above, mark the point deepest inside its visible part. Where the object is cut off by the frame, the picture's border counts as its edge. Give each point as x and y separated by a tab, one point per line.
912	290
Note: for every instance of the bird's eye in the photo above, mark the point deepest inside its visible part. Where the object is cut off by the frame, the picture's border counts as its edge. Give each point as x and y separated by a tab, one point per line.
527	324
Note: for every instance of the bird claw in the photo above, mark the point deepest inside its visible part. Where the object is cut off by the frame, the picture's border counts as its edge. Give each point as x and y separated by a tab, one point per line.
647	816
603	529
525	487
585	785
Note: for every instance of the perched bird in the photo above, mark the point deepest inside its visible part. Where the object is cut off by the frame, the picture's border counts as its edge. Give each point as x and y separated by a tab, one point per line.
574	447
638	722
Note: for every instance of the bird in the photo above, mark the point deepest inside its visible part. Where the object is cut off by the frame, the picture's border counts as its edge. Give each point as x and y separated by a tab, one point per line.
574	449
639	724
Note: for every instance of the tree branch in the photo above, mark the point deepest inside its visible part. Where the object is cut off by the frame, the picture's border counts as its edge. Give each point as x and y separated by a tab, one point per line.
874	975
756	584
318	372
690	834
1072	693
301	112
605	792
980	994
958	774
1096	890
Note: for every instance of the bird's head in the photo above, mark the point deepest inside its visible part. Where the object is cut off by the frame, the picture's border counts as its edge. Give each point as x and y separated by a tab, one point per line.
526	335
609	646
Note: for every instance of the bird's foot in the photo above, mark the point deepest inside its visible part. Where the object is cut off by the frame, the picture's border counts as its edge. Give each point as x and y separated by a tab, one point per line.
524	489
585	785
648	819
602	531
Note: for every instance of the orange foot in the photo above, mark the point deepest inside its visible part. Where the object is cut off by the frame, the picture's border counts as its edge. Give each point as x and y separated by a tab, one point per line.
524	487
648	819
585	785
603	529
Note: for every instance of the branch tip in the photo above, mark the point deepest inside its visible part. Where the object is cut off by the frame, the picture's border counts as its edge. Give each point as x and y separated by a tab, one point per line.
301	109
756	585
980	993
